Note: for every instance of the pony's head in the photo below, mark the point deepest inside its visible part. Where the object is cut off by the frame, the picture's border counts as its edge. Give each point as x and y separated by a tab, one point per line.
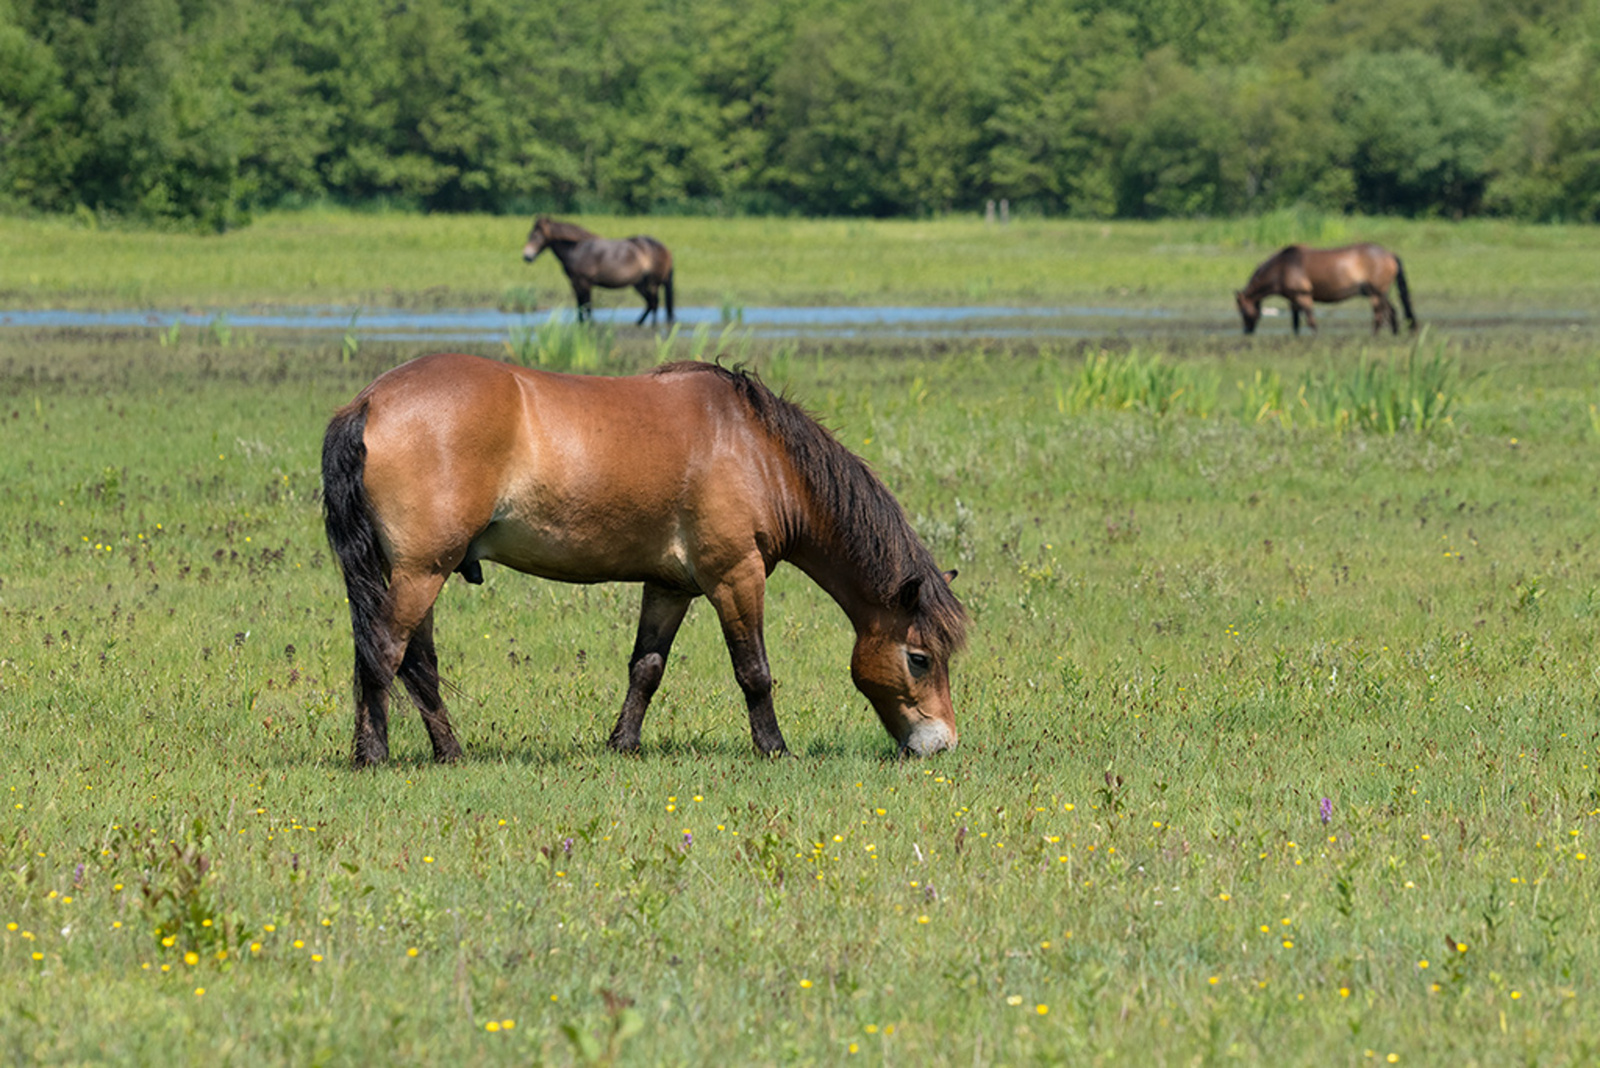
538	237
1249	310
901	663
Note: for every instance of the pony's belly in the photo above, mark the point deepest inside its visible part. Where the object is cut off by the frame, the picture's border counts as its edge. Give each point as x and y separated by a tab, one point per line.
618	556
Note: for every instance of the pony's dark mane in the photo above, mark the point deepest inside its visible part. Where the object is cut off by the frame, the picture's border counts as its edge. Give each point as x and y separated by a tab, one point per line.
868	524
555	230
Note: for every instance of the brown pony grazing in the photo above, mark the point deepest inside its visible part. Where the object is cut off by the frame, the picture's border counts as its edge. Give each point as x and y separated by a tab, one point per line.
590	260
1328	275
692	479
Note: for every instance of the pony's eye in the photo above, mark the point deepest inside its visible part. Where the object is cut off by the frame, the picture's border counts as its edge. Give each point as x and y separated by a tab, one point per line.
918	662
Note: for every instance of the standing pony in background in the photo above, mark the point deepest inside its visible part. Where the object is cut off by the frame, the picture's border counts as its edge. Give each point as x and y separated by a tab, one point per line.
590	260
1329	275
693	480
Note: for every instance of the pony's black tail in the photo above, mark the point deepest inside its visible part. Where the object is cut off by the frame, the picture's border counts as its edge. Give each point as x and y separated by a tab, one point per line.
1405	292
667	295
347	517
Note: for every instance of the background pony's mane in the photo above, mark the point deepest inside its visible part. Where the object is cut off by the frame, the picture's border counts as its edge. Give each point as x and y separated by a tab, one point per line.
556	230
870	526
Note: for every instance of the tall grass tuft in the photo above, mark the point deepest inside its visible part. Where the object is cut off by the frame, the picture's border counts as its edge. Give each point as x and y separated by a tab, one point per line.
520	299
1418	393
729	341
561	344
1134	382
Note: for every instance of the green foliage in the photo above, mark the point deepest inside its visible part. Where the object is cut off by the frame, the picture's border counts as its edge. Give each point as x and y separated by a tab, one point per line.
199	113
1421	134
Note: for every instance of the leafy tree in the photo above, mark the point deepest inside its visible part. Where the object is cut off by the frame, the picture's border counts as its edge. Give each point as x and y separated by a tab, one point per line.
149	136
1176	146
36	161
877	107
1422	134
1045	143
199	110
1550	166
1291	149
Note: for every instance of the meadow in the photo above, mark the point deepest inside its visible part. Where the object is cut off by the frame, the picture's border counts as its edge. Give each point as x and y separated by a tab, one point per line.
375	260
1278	738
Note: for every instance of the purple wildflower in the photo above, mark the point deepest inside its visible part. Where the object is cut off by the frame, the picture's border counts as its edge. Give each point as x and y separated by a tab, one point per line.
566	846
1327	809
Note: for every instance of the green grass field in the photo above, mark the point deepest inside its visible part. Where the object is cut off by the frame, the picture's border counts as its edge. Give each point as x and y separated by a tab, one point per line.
340	258
1278	742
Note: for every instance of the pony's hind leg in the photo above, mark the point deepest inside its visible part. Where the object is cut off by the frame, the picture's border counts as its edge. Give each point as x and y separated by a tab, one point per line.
409	603
660	615
1302	304
372	717
419	670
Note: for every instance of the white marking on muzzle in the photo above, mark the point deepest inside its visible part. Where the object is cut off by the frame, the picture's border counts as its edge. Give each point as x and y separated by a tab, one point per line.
929	737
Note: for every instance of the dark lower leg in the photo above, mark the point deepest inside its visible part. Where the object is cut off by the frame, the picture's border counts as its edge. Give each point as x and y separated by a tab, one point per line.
738	601
372	721
661	612
755	679
420	673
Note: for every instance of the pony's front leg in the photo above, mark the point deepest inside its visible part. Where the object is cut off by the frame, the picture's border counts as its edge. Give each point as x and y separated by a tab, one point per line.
738	600
660	615
582	293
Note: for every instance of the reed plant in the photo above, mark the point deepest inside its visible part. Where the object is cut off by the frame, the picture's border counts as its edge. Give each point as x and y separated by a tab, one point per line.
1137	381
561	343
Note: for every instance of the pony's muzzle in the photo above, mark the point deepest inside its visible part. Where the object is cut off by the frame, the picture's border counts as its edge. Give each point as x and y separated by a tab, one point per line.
929	737
529	252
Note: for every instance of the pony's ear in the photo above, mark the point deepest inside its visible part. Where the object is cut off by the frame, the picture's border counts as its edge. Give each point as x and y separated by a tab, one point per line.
910	595
950	576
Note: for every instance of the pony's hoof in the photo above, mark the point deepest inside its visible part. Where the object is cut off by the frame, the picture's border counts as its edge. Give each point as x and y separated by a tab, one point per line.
619	744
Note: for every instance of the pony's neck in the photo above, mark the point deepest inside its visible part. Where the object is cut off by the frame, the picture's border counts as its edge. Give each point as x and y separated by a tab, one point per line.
561	246
832	566
1264	283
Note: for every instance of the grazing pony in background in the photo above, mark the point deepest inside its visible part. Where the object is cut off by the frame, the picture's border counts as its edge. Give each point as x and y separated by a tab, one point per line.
590	260
1329	275
691	479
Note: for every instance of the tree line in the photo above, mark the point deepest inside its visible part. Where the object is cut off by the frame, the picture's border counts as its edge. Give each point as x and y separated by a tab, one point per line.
202	111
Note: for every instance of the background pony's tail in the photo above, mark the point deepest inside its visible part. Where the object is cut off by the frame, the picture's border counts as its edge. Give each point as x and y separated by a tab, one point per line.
667	294
1405	292
347	517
